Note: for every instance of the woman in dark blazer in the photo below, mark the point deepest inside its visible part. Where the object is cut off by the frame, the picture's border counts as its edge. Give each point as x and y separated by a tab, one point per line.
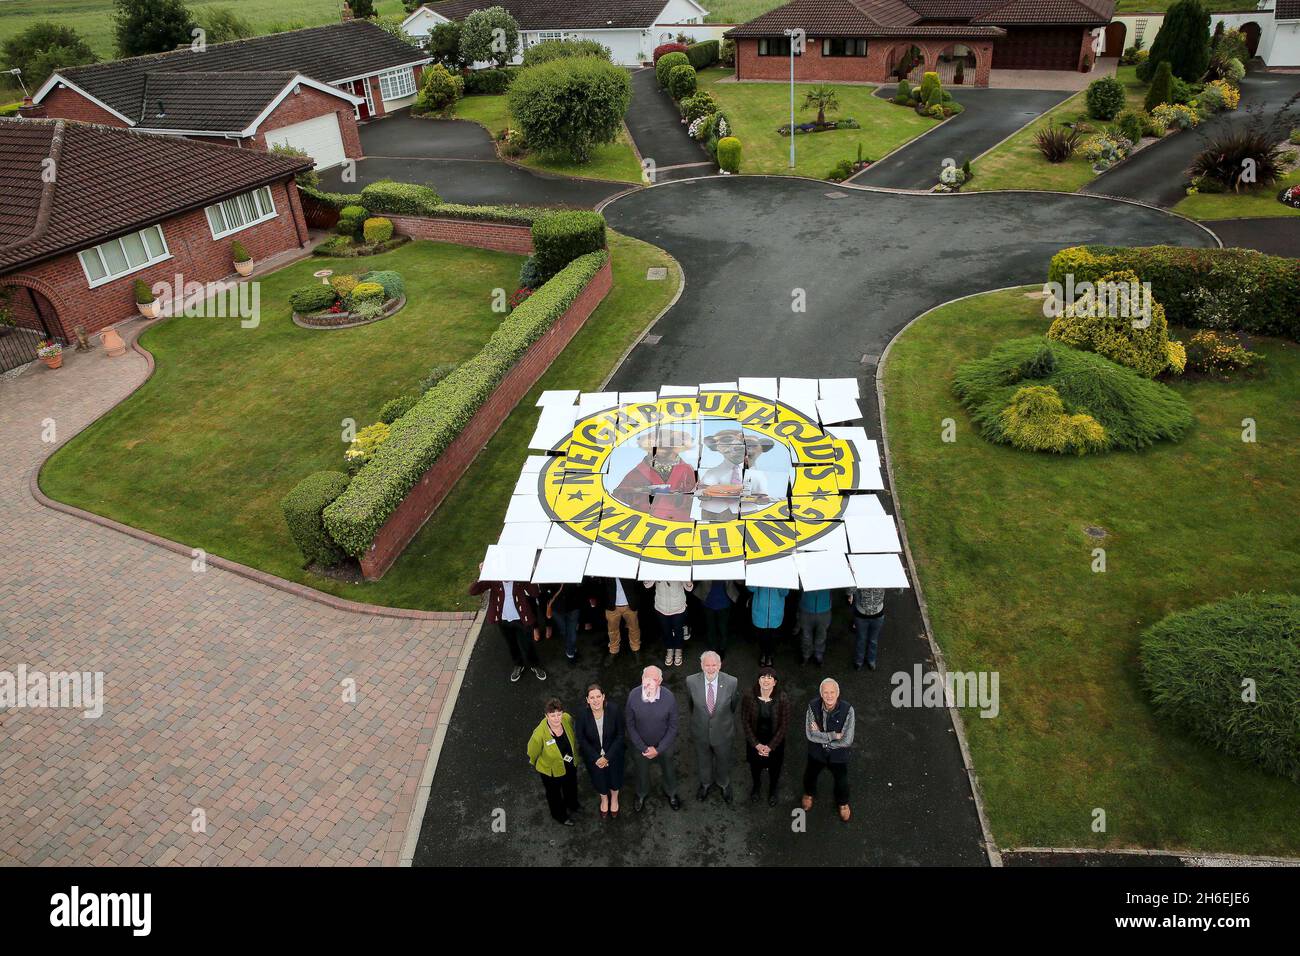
601	736
765	715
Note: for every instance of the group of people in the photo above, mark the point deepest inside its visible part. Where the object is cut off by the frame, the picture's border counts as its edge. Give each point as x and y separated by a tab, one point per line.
528	613
604	733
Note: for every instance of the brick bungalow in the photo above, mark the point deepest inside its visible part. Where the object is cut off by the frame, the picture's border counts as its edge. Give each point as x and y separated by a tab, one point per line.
89	209
304	88
884	40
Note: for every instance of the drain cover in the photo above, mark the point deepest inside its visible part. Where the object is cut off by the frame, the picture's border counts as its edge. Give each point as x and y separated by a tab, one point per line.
836	195
657	272
652	339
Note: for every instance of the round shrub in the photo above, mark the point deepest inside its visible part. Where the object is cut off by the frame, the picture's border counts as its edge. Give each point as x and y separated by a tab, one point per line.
665	64
681	82
530	274
1105	98
400	198
1196	665
729	154
238	253
394	287
931	89
904	91
561	237
302	508
549	50
343	284
310	299
489	82
571	105
439	89
350	220
1103	321
665	48
1036	420
368	292
702	103
395	408
377	229
1130	125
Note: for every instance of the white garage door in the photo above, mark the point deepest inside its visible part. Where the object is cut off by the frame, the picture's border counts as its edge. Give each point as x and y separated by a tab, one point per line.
319	138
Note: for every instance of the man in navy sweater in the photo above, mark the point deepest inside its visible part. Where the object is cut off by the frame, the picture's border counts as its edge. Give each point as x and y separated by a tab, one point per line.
651	717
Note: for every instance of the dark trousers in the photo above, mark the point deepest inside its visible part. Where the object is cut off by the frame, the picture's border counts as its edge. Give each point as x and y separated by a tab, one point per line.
561	793
519	641
566	623
868	634
672	629
839	774
717	628
665	764
767	637
772	763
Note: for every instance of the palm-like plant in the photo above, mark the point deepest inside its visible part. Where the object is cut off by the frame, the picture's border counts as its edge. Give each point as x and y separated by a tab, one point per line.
823	98
1056	143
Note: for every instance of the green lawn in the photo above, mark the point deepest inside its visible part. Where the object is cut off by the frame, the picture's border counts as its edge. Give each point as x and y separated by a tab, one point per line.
757	109
738	11
1017	163
1006	567
1160	6
614	161
232	418
1256	202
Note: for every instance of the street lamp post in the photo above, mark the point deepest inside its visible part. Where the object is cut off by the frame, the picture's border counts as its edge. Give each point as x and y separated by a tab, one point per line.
792	34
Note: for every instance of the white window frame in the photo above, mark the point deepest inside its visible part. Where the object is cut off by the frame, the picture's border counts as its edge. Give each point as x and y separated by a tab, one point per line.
403	75
259	197
84	254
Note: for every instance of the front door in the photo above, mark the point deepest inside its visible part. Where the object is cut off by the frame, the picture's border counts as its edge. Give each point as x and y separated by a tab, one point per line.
367	109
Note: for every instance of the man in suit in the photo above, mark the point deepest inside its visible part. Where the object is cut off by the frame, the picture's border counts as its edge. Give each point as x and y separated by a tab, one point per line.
712	699
510	608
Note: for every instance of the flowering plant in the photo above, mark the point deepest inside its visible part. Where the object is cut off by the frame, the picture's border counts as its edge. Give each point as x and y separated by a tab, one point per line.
48	350
1178	115
519	296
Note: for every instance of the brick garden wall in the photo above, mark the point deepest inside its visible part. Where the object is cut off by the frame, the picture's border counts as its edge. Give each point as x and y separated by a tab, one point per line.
497	236
195	255
422	500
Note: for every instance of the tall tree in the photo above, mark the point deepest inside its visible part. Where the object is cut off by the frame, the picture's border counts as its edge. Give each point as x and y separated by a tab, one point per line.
489	36
1183	40
221	24
151	26
363	9
41	49
444	46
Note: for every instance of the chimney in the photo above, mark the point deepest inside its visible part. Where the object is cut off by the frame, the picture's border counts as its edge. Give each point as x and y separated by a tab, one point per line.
30	110
347	11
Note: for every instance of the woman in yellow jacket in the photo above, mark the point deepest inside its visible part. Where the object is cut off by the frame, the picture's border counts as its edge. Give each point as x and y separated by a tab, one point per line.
553	752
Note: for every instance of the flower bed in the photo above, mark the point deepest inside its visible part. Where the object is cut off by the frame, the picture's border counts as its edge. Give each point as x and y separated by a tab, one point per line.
1290	197
846	123
343	319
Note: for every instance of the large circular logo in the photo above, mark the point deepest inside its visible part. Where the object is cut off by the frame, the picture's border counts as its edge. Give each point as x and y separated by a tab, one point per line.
703	479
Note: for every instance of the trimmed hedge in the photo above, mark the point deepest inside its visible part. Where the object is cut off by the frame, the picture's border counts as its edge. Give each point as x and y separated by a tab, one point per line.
302	508
703	54
420	436
333	200
549	50
401	198
665	48
491	82
351	218
522	215
666	63
1201	288
377	229
729	154
561	237
1194	664
1095	325
395	408
310	299
681	81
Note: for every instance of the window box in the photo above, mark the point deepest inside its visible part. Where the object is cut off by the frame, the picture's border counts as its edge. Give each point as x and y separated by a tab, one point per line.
240	212
121	257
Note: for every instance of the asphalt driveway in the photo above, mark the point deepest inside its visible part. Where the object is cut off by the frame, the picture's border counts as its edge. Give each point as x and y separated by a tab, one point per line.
657	130
990	117
459	160
869	263
1157	174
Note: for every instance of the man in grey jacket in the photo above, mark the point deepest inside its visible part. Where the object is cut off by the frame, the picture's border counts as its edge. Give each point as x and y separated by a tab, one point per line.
651	716
712	699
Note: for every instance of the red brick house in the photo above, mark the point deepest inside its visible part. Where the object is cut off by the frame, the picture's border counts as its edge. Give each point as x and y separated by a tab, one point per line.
90	209
883	40
304	88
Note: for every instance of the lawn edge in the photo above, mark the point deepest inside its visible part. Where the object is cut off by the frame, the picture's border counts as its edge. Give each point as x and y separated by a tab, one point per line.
546	172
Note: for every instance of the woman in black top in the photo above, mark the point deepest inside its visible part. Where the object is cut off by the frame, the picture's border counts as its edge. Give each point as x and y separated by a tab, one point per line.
601	740
765	714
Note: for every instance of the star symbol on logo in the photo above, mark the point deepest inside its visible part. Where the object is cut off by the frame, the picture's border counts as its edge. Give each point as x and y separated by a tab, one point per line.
820	495
576	495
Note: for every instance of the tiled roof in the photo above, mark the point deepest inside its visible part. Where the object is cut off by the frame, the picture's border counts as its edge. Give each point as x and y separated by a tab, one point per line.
883	18
1287	10
110	181
563	14
217	102
334	52
830	18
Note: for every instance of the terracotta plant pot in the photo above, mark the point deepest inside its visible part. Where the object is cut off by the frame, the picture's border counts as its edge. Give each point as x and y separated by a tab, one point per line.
55	361
149	310
112	342
244	268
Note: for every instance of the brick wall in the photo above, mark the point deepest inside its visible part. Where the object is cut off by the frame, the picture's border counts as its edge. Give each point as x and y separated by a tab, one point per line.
65	103
811	66
422	500
195	255
306	105
498	236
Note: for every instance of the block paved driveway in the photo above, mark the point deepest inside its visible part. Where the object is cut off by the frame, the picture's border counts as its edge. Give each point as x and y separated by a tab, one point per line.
221	694
869	262
458	159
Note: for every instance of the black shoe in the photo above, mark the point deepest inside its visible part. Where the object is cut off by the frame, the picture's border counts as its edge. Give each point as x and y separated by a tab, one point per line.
771	801
674	802
871	666
857	667
702	793
515	674
727	794
639	805
569	823
573	661
753	796
539	673
817	661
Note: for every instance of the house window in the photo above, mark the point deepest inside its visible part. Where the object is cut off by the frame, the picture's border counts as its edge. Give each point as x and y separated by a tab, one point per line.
240	212
395	84
841	46
119	257
774	46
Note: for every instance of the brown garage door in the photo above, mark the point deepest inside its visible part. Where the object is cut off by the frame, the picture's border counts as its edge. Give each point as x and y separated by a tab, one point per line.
1051	48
